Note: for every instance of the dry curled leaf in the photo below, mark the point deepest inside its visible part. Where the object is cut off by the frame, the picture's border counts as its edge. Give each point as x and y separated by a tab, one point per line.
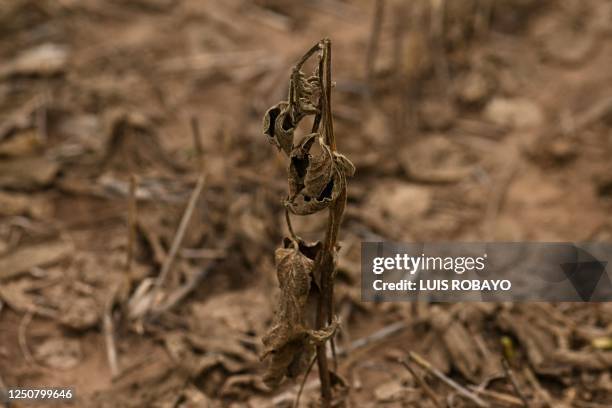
286	341
278	126
344	164
317	179
316	176
281	120
305	90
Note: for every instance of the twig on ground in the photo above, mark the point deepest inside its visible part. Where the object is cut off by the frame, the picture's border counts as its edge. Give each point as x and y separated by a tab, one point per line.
22	338
538	387
202	253
496	200
288	396
197	141
512	378
213	62
438	11
131	225
3	387
182	292
41	120
109	336
586	404
482	19
269	17
499	396
422	383
591	115
336	8
303	383
133	367
380	335
372	51
399	29
424	364
180	233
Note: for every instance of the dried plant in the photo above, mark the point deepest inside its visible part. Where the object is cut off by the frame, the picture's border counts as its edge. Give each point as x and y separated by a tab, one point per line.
317	177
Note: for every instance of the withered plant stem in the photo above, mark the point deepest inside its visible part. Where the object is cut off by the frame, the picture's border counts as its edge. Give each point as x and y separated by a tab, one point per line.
329	122
131	224
329	170
424	364
303	383
22	338
305	57
325	262
180	233
422	383
109	335
326	393
289	226
197	141
372	51
512	378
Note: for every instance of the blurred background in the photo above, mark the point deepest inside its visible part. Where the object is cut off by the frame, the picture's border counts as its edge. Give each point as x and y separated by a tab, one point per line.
467	120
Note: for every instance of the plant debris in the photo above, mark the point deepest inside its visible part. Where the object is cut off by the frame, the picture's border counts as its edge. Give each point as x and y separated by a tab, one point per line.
316	181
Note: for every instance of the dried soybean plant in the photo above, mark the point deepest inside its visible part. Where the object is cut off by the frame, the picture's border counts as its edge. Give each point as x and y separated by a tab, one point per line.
317	177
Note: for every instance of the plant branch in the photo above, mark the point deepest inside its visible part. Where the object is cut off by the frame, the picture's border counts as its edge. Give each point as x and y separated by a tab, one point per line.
422	384
512	378
180	233
424	364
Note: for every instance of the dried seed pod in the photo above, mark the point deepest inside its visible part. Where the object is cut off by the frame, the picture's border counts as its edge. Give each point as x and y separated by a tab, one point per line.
287	340
315	180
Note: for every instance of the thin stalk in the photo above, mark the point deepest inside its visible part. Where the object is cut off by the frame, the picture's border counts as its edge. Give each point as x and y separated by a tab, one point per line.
180	233
289	226
329	123
325	264
372	51
131	226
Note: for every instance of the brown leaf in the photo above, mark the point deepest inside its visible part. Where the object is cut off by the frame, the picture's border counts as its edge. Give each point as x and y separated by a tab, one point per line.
319	171
287	340
306	90
279	126
27	172
344	164
24	259
281	120
315	180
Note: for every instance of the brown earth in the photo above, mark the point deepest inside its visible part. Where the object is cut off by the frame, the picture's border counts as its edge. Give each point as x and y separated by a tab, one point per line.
468	120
